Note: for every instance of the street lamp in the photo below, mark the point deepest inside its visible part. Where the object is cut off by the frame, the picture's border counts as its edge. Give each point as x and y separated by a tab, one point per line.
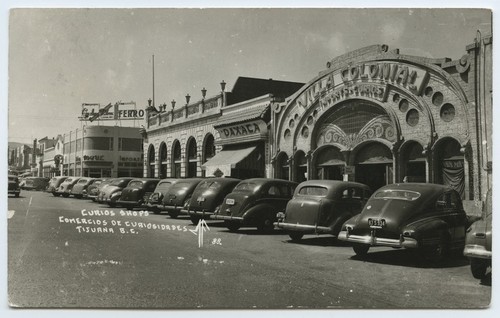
203	92
187	99
222	85
173	104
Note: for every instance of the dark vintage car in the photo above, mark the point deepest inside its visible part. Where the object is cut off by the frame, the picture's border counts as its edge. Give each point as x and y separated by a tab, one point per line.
94	188
207	197
136	193
14	185
113	191
81	186
423	216
478	241
54	184
178	194
255	202
66	187
322	206
155	200
36	183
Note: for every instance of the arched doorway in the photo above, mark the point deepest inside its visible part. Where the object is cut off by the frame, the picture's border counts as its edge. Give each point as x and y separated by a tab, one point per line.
282	167
373	165
329	164
300	164
151	161
449	162
163	161
192	164
413	163
208	150
176	159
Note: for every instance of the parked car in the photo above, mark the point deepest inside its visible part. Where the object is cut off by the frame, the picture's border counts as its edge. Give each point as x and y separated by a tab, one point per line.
423	216
154	202
321	207
66	187
255	202
54	184
112	192
94	188
14	186
178	194
478	241
35	183
81	186
136	193
207	197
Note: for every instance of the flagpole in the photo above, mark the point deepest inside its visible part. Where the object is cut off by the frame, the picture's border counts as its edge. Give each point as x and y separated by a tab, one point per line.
153	80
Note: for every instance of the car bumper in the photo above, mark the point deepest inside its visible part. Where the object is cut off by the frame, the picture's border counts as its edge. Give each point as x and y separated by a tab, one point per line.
198	213
173	208
378	241
128	203
227	217
304	228
476	251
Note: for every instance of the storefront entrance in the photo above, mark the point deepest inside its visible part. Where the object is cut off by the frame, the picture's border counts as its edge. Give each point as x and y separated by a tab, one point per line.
374	166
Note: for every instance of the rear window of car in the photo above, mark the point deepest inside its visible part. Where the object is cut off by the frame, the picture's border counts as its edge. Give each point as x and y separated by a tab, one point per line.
164	186
82	181
246	187
68	180
313	190
135	184
397	195
120	183
182	185
209	185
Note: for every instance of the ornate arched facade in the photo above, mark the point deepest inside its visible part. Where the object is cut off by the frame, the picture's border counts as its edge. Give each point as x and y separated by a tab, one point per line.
378	117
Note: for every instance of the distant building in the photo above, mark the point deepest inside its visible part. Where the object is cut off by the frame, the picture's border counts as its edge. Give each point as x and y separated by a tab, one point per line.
102	151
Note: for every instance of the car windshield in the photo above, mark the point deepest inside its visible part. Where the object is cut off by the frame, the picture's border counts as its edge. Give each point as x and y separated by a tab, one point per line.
246	187
135	184
163	186
209	185
313	190
397	195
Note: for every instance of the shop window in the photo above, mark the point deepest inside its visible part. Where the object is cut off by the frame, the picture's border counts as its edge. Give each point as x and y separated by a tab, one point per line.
192	158
129	144
176	159
98	143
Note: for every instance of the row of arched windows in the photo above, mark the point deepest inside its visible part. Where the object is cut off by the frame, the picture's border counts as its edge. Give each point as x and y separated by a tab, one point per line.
171	166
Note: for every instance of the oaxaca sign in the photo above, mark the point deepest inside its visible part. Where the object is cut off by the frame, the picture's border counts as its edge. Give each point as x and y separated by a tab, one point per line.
246	129
365	78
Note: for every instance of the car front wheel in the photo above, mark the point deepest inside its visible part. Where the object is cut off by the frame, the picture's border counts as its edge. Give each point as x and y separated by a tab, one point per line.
478	268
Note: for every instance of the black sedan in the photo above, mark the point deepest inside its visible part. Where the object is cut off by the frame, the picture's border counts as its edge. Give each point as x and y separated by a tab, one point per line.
427	217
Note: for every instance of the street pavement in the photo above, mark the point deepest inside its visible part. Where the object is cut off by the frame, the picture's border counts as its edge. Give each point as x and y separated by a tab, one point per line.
70	253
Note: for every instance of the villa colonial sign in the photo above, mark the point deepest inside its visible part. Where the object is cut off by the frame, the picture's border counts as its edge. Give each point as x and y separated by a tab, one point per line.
365	78
250	129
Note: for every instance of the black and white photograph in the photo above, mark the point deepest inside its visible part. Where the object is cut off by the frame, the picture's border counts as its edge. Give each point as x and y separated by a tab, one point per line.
314	158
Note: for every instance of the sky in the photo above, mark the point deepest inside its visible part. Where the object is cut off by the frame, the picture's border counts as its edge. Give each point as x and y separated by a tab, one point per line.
61	58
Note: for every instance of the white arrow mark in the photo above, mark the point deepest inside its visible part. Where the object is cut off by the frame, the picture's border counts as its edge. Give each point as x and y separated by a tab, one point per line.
200	228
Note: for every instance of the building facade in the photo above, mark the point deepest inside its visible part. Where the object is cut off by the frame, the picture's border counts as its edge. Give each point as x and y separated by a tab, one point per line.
377	117
102	151
224	135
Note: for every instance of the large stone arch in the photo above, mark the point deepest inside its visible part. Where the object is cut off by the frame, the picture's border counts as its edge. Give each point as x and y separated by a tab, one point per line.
191	156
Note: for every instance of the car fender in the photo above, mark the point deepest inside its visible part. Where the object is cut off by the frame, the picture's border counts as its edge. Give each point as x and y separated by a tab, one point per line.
339	221
258	211
427	228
